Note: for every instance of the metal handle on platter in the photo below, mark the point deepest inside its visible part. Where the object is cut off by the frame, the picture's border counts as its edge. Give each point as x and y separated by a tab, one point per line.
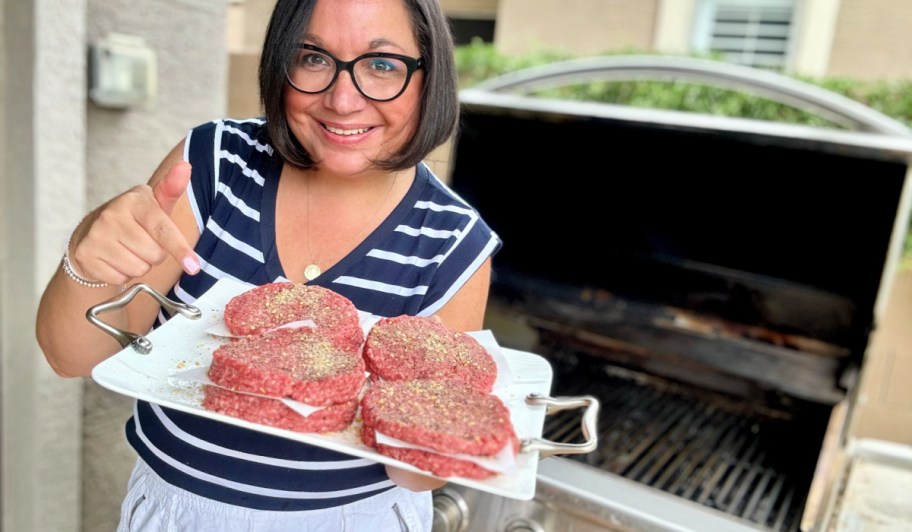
141	344
588	425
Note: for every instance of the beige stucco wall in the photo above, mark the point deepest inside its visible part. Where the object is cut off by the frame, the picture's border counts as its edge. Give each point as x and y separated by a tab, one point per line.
124	148
873	40
580	26
256	18
246	30
62	155
43	193
470	8
865	39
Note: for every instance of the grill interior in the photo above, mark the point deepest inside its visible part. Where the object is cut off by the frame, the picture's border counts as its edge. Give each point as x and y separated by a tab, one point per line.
721	300
750	461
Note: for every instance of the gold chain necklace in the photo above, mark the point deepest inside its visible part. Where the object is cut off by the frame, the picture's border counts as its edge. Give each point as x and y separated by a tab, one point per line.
312	270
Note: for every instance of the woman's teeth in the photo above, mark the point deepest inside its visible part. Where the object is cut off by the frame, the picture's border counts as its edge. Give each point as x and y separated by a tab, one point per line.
338	131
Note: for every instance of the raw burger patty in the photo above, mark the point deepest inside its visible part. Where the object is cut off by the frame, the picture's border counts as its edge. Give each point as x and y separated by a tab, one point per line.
437	464
444	416
412	347
299	364
270	305
274	413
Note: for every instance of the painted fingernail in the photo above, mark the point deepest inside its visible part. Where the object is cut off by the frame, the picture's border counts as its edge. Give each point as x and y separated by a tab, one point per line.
191	265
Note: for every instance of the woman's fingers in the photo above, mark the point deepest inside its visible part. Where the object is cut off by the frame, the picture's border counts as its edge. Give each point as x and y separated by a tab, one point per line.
168	237
172	186
103	253
134	232
166	193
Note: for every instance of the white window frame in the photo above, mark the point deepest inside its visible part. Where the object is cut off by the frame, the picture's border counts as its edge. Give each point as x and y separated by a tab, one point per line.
814	26
704	26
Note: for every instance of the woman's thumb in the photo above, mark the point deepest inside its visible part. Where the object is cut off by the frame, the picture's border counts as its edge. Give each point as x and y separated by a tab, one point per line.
170	188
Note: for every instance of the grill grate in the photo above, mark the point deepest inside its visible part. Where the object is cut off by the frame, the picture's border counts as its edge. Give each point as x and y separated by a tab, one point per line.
711	449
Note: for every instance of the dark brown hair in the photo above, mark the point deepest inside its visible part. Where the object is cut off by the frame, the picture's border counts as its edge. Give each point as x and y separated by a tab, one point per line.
438	108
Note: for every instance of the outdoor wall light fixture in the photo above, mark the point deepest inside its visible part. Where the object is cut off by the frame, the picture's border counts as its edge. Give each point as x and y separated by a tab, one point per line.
122	72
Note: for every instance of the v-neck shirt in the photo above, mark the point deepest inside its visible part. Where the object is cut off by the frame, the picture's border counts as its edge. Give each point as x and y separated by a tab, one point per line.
413	263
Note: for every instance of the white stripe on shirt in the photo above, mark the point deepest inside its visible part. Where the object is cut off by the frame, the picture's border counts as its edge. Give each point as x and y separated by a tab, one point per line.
427	231
238	203
259	147
246	170
403	259
190	439
463	279
216	150
431	206
211	270
239	245
381	287
247	488
191	195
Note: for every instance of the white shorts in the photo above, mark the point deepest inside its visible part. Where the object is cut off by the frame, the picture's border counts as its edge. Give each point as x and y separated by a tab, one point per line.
153	505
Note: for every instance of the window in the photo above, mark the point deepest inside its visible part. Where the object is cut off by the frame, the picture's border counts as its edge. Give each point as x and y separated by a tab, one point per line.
748	32
466	29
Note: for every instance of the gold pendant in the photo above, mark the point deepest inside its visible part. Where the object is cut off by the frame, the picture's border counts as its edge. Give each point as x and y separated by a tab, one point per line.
312	271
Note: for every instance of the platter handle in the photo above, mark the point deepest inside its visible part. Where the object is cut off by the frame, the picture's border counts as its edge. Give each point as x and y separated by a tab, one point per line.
547	448
140	344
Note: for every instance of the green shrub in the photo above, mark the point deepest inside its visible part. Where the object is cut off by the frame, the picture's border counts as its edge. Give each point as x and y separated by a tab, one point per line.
907	249
687	97
479	61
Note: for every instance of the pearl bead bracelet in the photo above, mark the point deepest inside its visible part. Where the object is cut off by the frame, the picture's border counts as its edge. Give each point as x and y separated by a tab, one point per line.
71	272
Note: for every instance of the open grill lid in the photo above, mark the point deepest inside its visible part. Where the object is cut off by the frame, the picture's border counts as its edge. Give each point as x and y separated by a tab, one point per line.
780	233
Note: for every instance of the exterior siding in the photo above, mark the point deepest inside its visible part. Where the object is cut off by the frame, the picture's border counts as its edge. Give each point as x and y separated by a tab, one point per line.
872	40
470	8
580	26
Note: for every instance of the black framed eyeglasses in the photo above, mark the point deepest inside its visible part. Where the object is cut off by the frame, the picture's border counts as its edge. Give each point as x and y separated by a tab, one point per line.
379	76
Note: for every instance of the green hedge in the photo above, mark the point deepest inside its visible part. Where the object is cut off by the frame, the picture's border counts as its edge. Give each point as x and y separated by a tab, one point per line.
479	61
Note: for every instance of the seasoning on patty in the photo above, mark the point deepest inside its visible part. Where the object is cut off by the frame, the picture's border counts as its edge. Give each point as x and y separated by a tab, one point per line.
445	417
413	347
300	364
274	304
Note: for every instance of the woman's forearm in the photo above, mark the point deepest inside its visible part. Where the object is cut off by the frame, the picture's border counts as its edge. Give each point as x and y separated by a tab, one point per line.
71	344
413	481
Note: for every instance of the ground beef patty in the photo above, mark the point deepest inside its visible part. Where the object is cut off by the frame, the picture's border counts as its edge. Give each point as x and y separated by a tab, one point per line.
274	413
301	364
436	464
413	347
270	305
444	416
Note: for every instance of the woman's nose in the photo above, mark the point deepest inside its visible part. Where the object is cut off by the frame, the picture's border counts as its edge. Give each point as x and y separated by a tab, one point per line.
344	96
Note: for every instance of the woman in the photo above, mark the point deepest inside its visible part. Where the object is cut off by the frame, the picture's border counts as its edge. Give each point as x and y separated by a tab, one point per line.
327	189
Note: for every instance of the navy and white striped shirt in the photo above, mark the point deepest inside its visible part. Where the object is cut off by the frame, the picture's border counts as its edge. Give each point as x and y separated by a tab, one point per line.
413	263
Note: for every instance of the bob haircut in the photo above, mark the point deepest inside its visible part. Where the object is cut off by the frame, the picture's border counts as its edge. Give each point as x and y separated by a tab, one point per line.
439	102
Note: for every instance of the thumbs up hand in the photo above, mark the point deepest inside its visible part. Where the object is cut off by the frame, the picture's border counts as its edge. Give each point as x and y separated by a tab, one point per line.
124	238
169	190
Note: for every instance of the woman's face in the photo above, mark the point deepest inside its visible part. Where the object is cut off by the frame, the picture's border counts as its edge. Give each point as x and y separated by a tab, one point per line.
341	129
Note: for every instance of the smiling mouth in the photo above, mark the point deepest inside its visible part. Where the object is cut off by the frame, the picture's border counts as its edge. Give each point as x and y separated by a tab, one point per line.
346	132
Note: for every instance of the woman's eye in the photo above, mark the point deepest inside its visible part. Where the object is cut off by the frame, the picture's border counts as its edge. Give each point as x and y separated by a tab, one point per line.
383	65
313	60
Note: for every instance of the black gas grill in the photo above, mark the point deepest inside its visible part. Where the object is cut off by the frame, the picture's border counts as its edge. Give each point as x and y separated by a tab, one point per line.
709	448
712	281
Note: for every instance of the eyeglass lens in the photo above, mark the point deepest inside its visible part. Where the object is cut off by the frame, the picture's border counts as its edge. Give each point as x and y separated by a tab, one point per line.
380	78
